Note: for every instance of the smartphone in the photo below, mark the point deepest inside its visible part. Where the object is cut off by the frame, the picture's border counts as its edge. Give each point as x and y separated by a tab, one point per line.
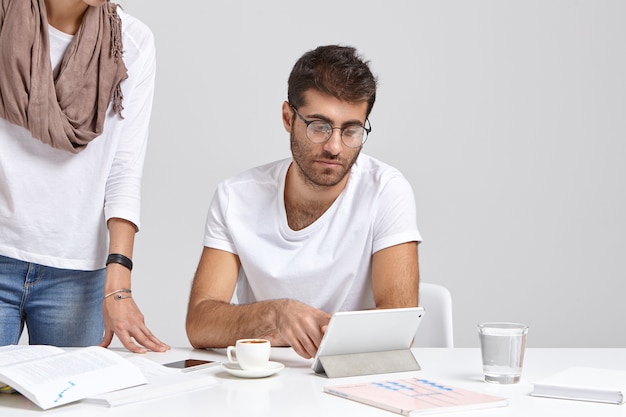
187	365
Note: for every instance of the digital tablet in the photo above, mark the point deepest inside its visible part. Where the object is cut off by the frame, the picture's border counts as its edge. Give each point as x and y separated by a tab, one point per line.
368	331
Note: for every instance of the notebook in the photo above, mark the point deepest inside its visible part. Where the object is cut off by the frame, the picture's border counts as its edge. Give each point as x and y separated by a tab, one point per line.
584	384
364	331
416	396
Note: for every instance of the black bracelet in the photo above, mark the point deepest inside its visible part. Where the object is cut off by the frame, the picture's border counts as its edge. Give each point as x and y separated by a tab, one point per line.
118	258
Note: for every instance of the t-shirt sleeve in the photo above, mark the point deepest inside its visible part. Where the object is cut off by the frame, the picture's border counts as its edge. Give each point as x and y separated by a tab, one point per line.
396	218
216	234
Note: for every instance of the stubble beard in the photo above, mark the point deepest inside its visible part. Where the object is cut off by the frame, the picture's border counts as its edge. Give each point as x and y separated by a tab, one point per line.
302	156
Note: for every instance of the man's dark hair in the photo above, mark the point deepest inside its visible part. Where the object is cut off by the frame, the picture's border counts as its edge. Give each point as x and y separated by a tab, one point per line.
335	70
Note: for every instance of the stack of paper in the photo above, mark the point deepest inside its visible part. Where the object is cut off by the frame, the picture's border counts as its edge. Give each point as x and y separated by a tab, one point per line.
162	382
585	384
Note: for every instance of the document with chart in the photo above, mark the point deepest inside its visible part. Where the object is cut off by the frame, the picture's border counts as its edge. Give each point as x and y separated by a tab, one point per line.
414	396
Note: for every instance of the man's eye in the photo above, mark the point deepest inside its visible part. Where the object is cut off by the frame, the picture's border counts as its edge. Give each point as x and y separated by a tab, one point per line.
320	127
353	131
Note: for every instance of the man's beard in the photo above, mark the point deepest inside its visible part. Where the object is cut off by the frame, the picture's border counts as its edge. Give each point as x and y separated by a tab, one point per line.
304	158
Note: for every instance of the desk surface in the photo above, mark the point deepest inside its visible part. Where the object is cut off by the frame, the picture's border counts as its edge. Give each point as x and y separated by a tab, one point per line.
297	391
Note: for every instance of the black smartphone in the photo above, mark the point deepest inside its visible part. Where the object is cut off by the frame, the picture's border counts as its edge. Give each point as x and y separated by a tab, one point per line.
191	364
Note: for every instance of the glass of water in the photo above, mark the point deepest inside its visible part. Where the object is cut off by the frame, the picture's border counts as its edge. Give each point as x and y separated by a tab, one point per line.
502	346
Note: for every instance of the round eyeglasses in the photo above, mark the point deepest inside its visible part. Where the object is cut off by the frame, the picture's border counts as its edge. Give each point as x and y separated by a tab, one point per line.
319	131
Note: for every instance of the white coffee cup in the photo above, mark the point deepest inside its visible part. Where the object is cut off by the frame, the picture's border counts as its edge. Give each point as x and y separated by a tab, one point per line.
250	354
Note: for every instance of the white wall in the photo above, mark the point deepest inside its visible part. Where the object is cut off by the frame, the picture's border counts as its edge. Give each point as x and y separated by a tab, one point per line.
506	116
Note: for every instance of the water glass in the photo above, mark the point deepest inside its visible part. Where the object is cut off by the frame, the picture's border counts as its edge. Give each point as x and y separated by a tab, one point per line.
502	346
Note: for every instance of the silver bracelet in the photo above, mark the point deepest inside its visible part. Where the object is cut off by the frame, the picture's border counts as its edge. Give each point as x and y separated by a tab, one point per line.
119	296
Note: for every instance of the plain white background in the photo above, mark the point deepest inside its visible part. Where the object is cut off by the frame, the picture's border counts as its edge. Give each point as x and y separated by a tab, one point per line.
507	117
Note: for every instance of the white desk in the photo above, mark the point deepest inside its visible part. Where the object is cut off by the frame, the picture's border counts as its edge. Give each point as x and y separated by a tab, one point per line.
297	391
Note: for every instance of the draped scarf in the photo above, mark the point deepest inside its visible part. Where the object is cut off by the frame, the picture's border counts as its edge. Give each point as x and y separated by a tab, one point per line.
66	108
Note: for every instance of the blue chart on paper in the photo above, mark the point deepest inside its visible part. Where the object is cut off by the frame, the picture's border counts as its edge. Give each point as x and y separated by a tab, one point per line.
409	387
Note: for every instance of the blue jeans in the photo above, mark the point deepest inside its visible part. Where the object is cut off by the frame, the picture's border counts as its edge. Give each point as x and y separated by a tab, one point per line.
59	307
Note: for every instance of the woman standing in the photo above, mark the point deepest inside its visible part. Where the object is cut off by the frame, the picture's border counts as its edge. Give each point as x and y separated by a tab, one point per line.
76	89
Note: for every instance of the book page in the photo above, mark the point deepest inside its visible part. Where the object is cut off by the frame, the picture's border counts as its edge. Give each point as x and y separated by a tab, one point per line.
12	354
64	377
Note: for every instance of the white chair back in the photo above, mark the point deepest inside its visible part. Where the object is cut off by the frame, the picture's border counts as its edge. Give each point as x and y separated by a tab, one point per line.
436	327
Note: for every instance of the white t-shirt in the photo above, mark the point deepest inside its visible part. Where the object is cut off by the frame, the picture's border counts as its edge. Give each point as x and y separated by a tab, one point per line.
326	265
54	204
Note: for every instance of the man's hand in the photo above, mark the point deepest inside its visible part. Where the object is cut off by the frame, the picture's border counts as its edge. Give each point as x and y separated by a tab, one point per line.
299	326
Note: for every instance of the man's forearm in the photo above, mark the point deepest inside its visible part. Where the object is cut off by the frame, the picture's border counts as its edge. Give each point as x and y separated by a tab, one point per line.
216	324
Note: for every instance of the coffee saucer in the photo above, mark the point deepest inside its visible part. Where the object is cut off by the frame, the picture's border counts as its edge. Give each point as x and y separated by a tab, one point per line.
235	370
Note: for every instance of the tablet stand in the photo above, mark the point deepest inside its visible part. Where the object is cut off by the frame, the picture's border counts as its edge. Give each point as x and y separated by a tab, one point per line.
336	366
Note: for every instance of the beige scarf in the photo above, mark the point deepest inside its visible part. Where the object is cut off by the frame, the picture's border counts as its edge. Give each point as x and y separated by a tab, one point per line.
65	109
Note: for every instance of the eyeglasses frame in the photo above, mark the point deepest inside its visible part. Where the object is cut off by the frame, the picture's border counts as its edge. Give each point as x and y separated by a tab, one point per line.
341	129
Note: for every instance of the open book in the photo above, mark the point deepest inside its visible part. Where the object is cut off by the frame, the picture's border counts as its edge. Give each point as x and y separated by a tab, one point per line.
50	376
414	396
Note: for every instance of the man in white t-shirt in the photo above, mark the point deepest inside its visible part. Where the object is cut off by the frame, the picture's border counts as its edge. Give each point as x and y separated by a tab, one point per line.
327	230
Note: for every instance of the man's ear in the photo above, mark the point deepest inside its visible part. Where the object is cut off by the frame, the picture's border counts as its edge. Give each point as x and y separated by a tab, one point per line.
287	116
